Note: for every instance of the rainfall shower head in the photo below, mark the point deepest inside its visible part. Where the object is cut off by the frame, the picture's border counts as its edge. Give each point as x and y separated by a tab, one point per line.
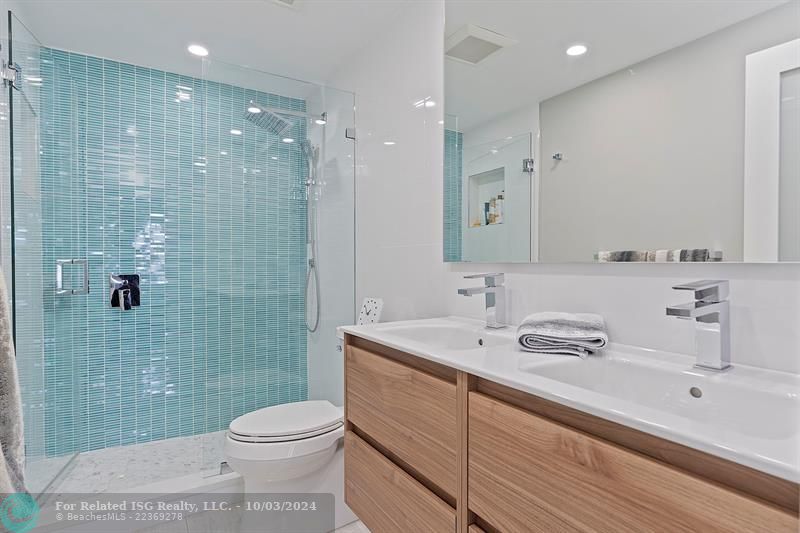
267	120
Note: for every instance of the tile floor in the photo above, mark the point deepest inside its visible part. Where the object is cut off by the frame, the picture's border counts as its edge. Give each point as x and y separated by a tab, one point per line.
355	527
226	523
126	467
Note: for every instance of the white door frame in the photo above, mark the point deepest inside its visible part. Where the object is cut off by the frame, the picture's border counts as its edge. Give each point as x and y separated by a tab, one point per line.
763	71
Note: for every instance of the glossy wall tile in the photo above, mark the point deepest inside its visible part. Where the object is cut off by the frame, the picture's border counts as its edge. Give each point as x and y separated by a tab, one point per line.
153	173
453	224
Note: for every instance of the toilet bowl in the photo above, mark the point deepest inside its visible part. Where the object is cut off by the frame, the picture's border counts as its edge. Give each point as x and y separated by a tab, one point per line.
291	448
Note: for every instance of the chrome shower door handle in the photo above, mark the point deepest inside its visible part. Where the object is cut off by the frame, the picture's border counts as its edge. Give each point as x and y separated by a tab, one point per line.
69	291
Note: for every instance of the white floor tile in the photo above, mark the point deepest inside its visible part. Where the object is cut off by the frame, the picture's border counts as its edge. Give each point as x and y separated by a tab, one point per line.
126	467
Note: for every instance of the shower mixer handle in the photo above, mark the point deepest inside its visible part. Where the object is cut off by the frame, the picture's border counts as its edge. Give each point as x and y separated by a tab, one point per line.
124	291
115	282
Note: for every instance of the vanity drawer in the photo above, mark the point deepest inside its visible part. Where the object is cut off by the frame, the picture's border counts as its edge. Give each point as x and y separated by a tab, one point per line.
409	413
386	498
527	473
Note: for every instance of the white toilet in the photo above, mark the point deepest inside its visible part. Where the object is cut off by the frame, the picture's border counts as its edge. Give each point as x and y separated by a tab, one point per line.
291	448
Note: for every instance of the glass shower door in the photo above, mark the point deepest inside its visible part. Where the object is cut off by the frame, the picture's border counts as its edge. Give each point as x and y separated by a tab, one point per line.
48	277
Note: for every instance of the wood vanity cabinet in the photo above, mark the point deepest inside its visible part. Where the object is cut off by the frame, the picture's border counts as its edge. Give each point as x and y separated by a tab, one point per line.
408	411
432	449
385	497
528	473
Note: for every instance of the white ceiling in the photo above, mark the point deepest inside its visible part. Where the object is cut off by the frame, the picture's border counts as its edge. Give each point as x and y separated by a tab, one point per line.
618	33
307	42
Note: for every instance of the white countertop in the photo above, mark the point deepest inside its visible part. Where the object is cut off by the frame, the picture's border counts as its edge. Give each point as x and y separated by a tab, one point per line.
747	415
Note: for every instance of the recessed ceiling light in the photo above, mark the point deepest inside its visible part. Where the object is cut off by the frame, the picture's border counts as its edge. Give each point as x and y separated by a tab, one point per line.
236	132
253	109
577	50
198	50
389	143
288	140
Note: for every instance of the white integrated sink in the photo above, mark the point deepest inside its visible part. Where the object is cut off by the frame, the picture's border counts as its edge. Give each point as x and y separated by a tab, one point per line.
735	400
745	414
447	334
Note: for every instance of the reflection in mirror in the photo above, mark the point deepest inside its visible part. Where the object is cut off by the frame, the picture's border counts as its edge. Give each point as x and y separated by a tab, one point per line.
497	201
663	131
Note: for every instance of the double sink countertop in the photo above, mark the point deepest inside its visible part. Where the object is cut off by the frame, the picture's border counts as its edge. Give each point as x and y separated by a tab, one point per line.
747	415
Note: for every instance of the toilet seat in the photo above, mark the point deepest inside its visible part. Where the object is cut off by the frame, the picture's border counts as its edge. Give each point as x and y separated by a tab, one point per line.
285	438
287	422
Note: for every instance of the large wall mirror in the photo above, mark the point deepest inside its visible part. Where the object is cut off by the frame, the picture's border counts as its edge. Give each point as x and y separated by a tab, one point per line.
624	130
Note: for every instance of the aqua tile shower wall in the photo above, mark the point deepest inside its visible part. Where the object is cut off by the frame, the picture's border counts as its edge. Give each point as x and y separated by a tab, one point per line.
453	156
141	174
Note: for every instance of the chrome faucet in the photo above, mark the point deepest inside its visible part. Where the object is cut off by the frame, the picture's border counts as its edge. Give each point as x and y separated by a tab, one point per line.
495	298
711	312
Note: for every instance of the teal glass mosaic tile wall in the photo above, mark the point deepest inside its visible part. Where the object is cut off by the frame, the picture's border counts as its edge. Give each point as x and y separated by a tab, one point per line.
453	161
142	172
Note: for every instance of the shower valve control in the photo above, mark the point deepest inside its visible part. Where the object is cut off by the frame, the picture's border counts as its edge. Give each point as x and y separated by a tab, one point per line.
124	289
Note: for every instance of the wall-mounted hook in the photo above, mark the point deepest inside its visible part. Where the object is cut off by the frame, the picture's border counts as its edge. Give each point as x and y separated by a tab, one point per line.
558	156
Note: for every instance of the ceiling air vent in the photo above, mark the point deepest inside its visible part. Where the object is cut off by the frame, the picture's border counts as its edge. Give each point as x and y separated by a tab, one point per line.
472	44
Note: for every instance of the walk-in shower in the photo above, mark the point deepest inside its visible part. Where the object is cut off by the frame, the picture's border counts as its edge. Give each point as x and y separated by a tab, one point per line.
271	120
221	190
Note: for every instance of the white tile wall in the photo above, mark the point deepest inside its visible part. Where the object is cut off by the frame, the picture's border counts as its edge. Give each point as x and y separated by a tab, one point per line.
765	303
399	188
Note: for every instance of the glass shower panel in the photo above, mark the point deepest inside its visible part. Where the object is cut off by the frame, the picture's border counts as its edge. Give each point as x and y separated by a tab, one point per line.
48	423
5	161
333	202
278	227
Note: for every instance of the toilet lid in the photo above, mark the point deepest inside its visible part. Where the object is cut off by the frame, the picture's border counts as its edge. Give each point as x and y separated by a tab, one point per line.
289	420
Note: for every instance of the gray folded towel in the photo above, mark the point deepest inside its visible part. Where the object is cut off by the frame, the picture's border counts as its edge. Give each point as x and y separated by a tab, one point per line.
683	255
622	256
563	333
